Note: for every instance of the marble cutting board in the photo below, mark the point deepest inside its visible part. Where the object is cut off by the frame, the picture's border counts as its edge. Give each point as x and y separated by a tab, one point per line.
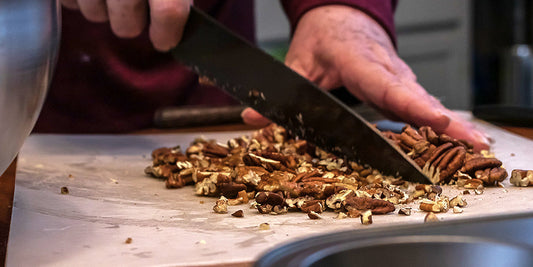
111	199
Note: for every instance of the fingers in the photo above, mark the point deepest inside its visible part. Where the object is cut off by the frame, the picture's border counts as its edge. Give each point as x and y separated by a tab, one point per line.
408	101
71	4
460	128
93	10
252	117
127	18
376	85
168	18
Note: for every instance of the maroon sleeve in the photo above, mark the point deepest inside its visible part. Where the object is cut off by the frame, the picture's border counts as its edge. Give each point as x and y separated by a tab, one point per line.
380	10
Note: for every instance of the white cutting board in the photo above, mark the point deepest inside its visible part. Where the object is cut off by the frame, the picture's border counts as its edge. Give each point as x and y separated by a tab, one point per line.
112	199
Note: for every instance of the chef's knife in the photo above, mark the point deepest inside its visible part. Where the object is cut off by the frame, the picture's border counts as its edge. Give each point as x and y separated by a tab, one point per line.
280	94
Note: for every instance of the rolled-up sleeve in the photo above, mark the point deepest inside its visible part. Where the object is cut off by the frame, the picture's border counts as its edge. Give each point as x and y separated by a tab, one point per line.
380	10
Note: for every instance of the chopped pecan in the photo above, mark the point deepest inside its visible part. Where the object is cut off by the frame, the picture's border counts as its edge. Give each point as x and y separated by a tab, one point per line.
405	211
238	214
315	205
296	203
271	198
240	142
341	215
160	151
161	171
335	201
313	215
471	184
177	181
271	134
457	209
231	189
522	177
249	175
432	206
269	202
377	206
307	174
302	147
431	217
252	159
196	147
429	188
209	186
287	160
366	217
269	209
221	205
458	202
165	155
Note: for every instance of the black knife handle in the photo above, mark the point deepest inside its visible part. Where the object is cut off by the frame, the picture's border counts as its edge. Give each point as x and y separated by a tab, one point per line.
187	116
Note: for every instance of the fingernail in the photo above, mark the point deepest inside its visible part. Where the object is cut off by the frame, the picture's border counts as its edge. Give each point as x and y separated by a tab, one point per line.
441	121
245	112
483	137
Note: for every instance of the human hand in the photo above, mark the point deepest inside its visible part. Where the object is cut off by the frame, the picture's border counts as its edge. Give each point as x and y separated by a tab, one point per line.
128	18
337	46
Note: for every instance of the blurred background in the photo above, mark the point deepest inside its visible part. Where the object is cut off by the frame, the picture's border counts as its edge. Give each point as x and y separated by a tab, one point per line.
465	52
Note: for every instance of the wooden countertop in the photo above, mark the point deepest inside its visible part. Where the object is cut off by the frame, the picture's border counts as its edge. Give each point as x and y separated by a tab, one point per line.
7	180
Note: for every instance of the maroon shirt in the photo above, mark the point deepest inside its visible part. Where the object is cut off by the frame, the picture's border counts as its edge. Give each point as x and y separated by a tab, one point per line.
105	84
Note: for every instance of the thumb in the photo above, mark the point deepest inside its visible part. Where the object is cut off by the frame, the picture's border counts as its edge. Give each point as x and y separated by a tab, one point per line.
252	117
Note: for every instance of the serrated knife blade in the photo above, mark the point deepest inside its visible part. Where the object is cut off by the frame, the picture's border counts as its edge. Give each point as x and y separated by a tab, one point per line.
288	99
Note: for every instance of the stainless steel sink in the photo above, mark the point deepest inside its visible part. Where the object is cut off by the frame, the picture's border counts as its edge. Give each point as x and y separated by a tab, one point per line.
493	241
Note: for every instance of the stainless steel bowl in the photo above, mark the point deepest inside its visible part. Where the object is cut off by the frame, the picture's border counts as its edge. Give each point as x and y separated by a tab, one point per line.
503	240
414	251
29	40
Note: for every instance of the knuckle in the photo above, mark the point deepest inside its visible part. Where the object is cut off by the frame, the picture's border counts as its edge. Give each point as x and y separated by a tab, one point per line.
127	32
71	4
169	11
96	17
124	30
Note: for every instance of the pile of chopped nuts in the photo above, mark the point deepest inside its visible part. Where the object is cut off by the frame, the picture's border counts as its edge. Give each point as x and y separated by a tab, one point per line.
281	174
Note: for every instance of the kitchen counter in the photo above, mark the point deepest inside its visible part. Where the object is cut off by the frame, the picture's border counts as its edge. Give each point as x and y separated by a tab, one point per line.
108	205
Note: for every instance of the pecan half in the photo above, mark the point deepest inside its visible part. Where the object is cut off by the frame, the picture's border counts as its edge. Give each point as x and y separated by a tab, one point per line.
481	163
491	176
451	161
486	169
412	139
212	149
364	203
428	134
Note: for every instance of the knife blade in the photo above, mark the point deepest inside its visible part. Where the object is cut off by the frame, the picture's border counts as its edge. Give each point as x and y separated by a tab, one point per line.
288	99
